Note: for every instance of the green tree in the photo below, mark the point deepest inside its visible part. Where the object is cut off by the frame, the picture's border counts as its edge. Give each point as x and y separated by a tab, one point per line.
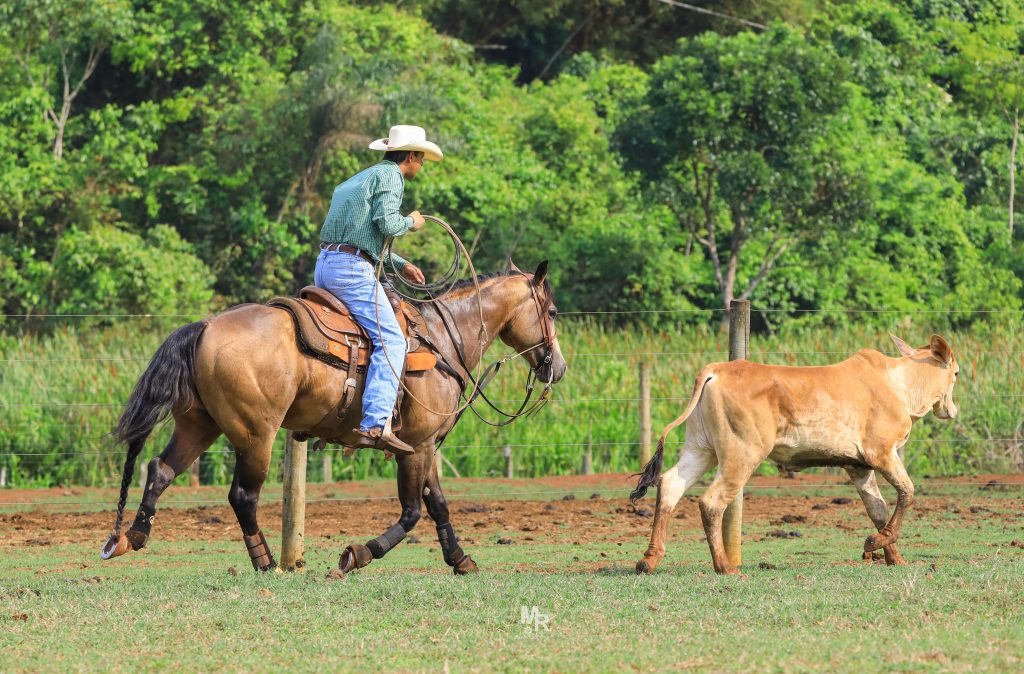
988	67
734	133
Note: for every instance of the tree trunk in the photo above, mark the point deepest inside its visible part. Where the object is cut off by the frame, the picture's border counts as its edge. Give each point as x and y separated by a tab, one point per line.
1013	164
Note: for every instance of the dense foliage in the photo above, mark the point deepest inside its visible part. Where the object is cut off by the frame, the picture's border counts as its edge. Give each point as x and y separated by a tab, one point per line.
169	157
851	164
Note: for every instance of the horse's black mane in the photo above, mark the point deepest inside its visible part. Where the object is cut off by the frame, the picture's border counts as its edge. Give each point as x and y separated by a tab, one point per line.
468	282
463	283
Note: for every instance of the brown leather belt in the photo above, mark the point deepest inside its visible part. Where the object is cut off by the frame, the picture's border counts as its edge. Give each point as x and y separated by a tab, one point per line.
345	248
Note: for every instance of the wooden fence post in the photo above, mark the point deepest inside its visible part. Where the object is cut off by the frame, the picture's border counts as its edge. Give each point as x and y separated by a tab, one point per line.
510	471
293	516
588	455
439	461
732	521
645	415
328	467
193	473
3	476
143	474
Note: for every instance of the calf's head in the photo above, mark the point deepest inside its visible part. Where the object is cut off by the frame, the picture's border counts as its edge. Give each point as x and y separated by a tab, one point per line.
937	374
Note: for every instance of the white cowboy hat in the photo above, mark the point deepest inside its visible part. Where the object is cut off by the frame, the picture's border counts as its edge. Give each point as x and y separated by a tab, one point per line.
412	138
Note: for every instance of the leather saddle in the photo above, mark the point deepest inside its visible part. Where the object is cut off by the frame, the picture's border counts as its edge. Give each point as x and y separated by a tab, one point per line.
328	332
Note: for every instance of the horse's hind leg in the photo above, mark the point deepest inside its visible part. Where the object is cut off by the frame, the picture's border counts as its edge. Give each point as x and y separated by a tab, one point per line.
437	507
411	475
252	463
867	486
194	432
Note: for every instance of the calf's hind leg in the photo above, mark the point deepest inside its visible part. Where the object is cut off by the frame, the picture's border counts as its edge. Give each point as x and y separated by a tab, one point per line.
673	483
736	464
878	511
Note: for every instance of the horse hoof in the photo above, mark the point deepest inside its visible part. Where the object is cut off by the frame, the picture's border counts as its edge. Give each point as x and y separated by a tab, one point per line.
643	567
354	557
465	567
347	561
115	547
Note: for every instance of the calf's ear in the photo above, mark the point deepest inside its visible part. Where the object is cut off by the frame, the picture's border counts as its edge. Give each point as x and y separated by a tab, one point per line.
940	350
903	347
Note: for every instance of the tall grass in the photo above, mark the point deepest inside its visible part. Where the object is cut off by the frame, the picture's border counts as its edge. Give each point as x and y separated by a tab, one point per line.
60	395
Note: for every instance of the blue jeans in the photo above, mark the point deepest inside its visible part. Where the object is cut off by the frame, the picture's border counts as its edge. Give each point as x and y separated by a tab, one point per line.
352	280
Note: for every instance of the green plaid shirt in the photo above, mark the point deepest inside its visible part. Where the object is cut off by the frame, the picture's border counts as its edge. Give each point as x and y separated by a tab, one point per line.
364	211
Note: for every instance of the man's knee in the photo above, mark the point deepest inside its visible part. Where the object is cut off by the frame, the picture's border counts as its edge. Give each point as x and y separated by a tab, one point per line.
394	341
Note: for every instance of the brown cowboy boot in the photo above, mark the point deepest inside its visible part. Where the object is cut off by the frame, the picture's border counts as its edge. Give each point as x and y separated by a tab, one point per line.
382	438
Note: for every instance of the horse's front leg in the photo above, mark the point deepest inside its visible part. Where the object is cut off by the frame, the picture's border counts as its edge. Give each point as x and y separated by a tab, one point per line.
454	556
411	476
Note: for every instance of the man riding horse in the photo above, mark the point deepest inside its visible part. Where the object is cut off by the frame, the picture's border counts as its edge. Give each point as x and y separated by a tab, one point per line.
247	372
364	212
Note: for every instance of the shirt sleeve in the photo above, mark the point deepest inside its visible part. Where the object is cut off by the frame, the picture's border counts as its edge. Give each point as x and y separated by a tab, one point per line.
398	261
386	201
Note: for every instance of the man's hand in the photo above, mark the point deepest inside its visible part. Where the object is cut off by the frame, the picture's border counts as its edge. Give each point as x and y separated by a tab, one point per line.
413	273
417	221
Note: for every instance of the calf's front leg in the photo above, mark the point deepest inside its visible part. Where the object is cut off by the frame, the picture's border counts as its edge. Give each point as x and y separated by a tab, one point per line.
896	474
867	486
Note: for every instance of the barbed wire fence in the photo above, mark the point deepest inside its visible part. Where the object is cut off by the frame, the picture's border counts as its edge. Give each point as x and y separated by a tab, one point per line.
507	449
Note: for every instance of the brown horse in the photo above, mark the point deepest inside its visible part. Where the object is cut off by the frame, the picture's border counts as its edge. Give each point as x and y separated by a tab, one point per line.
241	373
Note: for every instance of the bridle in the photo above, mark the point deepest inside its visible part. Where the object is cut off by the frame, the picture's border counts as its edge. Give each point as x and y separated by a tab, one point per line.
549	335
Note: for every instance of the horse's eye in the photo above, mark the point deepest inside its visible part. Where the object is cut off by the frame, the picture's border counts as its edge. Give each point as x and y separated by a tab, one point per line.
552	312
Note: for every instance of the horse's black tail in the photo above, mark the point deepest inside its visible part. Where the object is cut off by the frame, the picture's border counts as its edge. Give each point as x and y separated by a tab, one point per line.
650	474
168	381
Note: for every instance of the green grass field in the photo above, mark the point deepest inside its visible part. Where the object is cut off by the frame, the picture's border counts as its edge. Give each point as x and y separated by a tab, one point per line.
805	604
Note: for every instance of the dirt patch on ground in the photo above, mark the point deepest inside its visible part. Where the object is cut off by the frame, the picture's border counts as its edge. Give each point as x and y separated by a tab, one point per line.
565	514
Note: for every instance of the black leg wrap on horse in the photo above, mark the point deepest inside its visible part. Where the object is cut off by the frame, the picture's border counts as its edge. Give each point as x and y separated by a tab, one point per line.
259	552
141	527
453	553
387	540
144	520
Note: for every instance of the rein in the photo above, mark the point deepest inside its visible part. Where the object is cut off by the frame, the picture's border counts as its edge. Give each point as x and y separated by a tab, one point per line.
479	384
547	330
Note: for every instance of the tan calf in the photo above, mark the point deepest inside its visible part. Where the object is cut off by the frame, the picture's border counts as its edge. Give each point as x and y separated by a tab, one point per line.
856	414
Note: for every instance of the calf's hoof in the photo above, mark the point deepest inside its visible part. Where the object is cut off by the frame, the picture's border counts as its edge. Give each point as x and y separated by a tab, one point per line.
878	541
465	567
115	547
893	556
645	566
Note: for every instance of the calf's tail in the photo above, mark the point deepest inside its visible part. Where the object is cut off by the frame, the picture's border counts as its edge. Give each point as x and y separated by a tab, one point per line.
651	473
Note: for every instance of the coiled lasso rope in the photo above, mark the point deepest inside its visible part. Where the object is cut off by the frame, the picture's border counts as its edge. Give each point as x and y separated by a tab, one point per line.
446	283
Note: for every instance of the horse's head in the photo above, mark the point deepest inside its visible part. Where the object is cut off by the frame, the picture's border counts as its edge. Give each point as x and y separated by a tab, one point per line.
531	329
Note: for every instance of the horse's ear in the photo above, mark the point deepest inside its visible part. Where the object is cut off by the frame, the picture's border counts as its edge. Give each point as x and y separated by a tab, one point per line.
512	265
541	273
